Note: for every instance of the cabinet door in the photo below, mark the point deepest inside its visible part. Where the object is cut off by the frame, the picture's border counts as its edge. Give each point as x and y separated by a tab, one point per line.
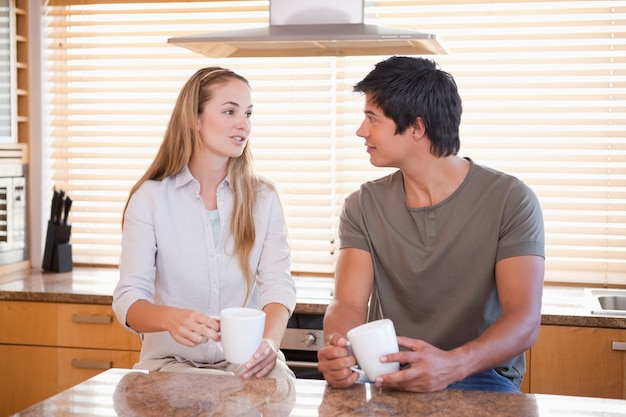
525	387
29	374
580	361
7	104
66	325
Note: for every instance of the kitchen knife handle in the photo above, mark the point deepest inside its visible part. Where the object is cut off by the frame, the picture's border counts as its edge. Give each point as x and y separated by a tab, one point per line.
67	205
60	204
54	206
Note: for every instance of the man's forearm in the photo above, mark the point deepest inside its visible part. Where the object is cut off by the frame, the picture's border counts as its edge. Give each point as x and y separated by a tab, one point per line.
340	318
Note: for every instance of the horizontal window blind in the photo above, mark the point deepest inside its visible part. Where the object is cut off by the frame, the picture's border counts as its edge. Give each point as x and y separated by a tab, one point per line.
543	87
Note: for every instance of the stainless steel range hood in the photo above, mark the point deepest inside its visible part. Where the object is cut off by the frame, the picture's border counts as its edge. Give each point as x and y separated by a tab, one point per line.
300	28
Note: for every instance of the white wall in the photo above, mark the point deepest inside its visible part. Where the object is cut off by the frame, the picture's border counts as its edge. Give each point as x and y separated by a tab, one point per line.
40	192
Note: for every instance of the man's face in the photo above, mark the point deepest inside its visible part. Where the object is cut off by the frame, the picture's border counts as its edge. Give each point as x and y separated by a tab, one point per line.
385	147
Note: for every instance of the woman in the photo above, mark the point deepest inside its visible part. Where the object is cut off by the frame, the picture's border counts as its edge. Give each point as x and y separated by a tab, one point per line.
202	232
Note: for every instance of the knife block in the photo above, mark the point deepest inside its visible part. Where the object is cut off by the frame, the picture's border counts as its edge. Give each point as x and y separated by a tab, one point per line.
57	254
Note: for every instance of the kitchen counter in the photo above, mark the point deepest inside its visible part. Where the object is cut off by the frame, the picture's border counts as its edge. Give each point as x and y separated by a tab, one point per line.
96	285
128	393
563	306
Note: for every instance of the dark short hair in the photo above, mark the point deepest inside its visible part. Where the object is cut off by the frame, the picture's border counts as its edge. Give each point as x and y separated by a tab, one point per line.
406	88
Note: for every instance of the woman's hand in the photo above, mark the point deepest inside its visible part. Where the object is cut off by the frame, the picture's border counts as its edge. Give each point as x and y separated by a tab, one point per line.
263	360
187	327
191	328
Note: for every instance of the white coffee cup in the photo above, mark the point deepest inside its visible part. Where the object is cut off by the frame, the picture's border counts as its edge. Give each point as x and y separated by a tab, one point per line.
241	330
369	342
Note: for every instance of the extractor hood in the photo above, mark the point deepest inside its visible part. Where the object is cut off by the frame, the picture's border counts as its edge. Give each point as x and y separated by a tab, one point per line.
300	28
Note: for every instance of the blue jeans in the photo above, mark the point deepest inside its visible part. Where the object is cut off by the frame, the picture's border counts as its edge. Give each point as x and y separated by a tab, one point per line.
486	381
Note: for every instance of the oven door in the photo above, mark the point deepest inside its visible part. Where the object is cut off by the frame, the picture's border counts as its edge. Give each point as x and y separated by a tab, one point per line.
303	338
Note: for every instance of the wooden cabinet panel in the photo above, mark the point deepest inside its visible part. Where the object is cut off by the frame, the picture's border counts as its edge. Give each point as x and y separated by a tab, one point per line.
67	325
46	348
22	70
525	387
33	373
580	361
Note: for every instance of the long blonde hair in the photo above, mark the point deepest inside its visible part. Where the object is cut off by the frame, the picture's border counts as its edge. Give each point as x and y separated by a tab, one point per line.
179	142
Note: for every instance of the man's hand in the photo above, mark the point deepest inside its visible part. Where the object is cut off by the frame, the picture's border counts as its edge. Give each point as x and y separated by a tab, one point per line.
334	361
428	368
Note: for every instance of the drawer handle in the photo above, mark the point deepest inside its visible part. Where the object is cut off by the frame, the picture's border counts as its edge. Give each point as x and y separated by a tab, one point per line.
83	318
78	363
619	345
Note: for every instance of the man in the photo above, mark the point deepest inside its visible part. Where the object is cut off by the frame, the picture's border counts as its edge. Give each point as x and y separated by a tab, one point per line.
450	251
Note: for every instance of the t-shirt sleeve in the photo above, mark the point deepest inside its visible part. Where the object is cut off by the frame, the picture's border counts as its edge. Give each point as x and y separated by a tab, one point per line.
351	225
522	231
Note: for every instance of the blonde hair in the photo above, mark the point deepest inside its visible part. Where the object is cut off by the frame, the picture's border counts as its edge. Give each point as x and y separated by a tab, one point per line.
179	142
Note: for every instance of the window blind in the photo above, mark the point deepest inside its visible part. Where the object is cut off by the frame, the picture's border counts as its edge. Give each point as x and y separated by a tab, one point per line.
543	88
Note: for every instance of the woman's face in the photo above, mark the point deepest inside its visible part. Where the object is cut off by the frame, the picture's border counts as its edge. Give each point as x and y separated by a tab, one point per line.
224	124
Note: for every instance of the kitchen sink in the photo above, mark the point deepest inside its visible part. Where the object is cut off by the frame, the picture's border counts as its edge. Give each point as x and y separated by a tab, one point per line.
613	302
608	301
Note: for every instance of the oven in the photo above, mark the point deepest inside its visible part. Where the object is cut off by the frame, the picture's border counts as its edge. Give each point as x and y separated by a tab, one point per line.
13	214
304	335
303	338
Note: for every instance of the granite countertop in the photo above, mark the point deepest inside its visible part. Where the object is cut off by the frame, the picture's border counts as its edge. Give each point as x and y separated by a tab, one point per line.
127	393
95	286
564	306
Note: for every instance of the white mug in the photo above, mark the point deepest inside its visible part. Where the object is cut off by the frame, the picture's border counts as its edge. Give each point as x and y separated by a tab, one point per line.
241	330
369	342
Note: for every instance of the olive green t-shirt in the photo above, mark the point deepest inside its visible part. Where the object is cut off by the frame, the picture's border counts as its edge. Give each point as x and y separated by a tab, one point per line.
434	267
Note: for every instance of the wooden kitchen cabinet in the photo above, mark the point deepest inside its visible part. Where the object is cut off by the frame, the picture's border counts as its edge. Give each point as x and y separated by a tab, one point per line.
525	386
46	348
581	361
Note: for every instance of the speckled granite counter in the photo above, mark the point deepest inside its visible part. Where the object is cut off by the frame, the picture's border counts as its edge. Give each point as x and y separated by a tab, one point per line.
572	306
95	286
564	306
127	393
